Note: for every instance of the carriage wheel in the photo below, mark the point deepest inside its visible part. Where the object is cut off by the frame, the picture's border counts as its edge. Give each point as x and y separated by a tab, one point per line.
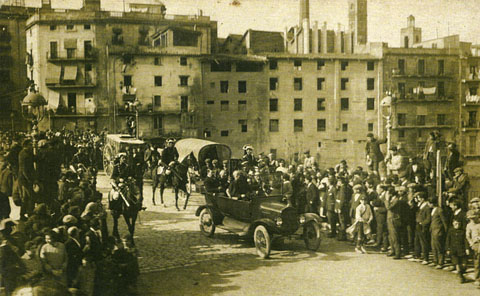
108	160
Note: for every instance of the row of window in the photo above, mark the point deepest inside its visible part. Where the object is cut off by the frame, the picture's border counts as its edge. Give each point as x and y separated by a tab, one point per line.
298	104
157	61
157	80
298	83
297	65
421	69
157	102
297	126
71	27
420	120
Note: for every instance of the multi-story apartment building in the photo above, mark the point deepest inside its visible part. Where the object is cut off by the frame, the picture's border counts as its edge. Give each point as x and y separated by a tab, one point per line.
13	72
323	103
424	83
235	100
90	64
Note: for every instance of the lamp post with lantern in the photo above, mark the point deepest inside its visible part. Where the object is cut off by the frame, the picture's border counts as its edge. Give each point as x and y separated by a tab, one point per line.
387	109
33	110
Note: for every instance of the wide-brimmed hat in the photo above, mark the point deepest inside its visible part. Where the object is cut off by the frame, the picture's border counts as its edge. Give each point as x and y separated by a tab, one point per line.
170	140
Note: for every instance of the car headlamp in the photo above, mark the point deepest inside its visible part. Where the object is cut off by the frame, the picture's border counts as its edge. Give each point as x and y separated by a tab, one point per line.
302	219
279	221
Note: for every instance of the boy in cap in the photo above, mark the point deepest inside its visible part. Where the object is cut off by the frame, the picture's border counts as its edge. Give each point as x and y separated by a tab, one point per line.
473	238
457	248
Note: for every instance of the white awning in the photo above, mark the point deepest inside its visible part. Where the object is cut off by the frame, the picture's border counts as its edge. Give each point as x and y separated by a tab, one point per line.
53	74
53	101
70	73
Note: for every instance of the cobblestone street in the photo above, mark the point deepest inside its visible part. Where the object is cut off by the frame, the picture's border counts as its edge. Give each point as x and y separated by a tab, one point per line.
176	259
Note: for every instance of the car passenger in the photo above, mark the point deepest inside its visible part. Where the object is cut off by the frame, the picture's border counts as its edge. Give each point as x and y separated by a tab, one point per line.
211	183
239	187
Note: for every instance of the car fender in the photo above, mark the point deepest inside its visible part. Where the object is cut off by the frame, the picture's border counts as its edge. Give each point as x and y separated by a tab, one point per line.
269	224
312	217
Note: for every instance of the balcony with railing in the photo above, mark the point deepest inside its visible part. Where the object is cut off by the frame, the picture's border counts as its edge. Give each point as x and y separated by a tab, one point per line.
69	78
76	56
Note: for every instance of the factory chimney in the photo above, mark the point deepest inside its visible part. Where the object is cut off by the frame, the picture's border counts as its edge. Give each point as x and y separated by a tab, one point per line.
305	24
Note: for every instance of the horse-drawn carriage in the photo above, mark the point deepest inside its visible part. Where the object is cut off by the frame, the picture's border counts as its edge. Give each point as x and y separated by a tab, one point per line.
193	153
114	144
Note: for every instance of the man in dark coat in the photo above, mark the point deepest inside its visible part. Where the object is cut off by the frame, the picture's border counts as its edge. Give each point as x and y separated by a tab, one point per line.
460	186
373	153
453	160
343	197
311	197
423	219
6	189
329	205
26	178
394	222
438	228
74	254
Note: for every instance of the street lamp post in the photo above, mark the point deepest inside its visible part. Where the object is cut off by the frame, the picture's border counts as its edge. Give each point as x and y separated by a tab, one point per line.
386	105
33	110
136	104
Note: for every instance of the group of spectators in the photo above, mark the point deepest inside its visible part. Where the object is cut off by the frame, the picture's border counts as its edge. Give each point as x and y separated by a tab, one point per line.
60	245
397	210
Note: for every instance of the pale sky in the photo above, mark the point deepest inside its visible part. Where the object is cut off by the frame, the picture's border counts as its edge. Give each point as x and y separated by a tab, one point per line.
385	17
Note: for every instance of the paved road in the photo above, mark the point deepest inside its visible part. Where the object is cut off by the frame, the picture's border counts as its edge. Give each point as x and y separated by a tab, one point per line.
175	259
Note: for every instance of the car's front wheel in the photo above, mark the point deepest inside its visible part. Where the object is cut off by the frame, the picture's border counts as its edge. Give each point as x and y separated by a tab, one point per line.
207	227
311	235
263	242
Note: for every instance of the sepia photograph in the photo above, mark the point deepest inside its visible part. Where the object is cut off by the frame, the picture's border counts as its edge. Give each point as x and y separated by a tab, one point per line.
239	147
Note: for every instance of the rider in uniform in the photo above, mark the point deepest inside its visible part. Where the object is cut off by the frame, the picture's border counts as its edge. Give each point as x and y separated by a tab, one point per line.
169	154
121	169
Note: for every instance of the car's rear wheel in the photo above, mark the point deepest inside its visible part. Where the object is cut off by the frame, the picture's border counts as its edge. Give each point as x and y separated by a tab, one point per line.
311	235
207	227
263	241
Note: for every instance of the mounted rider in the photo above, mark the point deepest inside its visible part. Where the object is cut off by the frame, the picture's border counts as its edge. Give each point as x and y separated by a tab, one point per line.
121	168
124	196
169	155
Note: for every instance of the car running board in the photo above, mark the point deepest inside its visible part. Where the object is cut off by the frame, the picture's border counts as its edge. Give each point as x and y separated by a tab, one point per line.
235	226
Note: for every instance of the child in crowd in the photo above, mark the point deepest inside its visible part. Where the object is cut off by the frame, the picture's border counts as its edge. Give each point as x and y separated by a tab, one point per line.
457	248
363	217
473	238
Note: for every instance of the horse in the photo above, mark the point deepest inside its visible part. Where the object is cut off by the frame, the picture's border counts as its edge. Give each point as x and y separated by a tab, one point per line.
124	200
178	174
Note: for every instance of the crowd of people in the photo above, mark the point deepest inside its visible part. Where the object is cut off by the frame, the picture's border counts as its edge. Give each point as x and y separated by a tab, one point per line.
62	238
397	209
60	245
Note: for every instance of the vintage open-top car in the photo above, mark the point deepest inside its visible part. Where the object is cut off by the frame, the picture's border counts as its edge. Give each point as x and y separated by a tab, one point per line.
261	217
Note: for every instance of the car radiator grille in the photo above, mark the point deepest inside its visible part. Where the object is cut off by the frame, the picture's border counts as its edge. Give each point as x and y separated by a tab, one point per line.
290	220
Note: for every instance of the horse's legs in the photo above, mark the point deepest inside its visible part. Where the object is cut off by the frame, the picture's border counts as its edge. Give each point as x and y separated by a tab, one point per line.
154	187
176	198
115	227
187	195
162	188
127	217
